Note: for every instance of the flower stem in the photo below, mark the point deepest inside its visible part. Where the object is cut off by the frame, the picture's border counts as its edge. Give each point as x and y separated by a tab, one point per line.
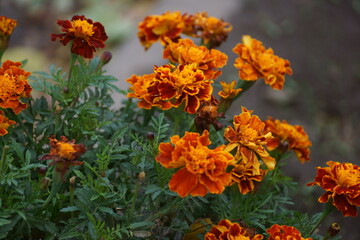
3	156
328	208
133	201
55	186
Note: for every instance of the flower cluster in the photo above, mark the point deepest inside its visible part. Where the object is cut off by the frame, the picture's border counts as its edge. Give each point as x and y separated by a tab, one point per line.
86	35
203	170
64	153
288	136
341	181
255	62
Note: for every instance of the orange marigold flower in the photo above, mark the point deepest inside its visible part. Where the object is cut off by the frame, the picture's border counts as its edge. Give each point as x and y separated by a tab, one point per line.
289	137
64	154
4	123
227	230
284	232
211	30
341	181
247	171
256	62
86	35
203	169
248	132
13	86
228	90
155	27
7	26
199	226
185	51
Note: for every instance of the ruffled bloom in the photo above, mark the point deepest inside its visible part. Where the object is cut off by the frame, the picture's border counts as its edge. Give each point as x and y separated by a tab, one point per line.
64	154
185	51
7	26
203	170
211	30
172	86
247	172
341	181
86	35
255	62
155	27
288	136
227	230
284	232
228	90
4	123
13	86
248	132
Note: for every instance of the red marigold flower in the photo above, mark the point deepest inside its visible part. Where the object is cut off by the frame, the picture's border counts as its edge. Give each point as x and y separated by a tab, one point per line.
211	30
227	230
185	51
4	123
86	35
155	27
248	132
13	86
228	90
284	232
203	169
341	181
256	62
247	171
64	154
293	136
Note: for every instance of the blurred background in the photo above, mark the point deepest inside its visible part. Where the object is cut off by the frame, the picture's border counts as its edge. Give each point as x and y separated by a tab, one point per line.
320	38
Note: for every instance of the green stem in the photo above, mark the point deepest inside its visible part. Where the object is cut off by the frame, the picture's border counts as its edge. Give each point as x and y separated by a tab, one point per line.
72	64
133	201
3	156
328	208
55	186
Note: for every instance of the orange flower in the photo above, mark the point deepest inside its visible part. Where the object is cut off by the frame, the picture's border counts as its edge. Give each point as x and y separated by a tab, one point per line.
4	124
341	181
86	35
248	132
247	171
292	136
213	31
64	154
256	62
7	26
203	169
155	27
199	226
226	230
13	86
228	90
284	232
185	51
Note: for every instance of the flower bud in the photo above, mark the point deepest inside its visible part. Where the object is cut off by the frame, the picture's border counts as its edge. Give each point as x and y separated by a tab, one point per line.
42	171
72	180
333	230
141	176
150	135
105	57
45	183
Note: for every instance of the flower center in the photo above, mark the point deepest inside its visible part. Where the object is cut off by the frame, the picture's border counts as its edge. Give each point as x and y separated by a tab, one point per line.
197	161
65	150
249	134
81	28
6	85
348	177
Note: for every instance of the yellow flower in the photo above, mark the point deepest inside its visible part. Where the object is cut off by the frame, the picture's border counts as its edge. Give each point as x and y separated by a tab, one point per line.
228	90
255	62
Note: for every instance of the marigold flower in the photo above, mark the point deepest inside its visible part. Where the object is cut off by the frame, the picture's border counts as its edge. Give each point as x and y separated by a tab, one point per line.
155	27
247	171
228	90
248	132
64	154
227	230
199	226
7	26
13	86
211	30
86	35
4	123
185	51
256	62
203	169
284	232
294	136
341	181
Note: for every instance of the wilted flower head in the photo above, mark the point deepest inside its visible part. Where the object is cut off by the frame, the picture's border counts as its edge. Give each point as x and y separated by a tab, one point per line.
248	131
341	181
293	136
203	170
227	230
4	123
86	35
255	62
284	232
13	86
64	154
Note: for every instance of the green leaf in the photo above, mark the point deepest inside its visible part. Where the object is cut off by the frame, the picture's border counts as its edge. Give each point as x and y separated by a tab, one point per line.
142	225
69	209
